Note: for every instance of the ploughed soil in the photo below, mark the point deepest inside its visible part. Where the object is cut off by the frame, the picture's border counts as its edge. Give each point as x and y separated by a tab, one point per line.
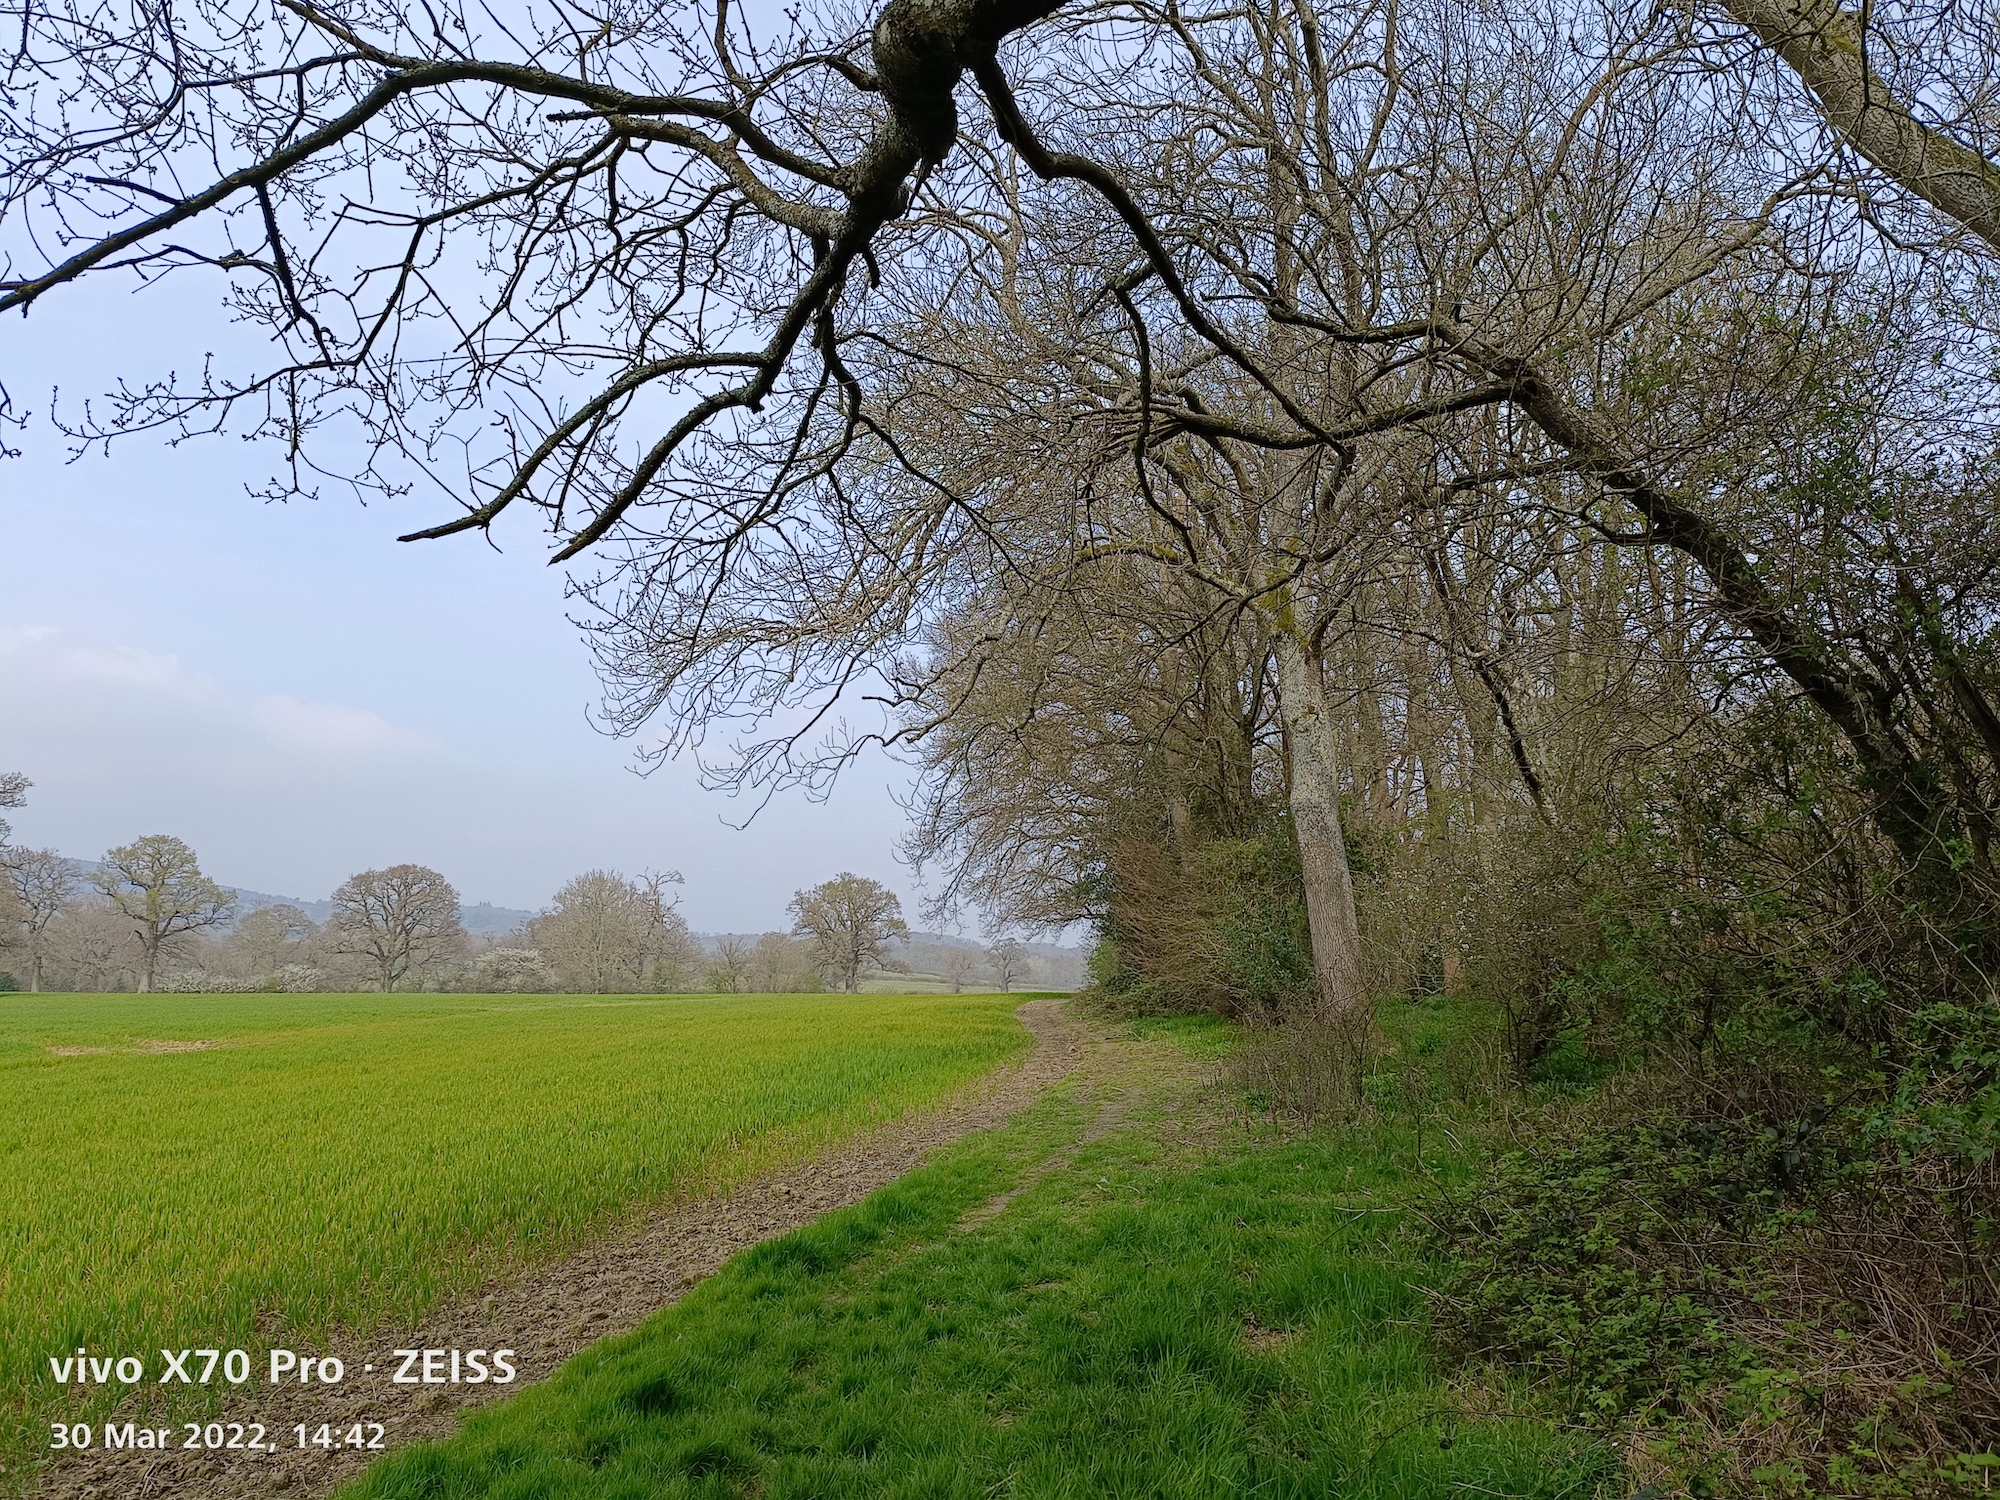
549	1312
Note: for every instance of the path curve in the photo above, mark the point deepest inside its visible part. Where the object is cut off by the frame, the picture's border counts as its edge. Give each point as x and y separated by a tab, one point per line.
551	1311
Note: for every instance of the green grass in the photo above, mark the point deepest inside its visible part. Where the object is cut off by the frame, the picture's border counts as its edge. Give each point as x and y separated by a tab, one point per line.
350	1159
1245	1320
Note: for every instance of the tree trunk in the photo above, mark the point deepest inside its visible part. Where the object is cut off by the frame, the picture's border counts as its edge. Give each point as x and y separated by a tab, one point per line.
149	943
1315	805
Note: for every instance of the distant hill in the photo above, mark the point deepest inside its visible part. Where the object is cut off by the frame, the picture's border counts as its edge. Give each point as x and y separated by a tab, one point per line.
249	901
484	919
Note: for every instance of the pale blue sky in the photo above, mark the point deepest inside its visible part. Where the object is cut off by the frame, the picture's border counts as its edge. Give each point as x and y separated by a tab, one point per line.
300	696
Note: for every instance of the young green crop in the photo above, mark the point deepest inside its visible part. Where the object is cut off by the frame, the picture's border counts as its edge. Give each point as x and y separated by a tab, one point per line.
352	1160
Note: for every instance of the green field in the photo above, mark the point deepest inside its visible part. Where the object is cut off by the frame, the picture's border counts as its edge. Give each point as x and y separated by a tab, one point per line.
351	1159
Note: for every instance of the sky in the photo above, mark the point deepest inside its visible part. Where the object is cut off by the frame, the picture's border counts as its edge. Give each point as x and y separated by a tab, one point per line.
300	696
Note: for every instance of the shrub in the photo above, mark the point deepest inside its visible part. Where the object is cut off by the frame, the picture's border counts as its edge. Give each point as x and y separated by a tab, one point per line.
1219	926
1759	1300
202	982
301	979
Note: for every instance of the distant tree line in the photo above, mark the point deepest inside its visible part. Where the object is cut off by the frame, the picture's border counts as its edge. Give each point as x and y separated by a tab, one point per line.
147	918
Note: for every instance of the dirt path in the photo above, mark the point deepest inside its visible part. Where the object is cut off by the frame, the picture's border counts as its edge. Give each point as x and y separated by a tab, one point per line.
555	1310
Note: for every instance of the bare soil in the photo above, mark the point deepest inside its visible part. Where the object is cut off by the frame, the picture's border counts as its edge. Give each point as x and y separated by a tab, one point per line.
549	1312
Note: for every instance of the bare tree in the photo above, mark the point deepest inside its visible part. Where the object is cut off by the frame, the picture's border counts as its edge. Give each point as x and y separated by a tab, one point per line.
89	948
400	922
13	936
605	933
730	967
157	885
780	965
1009	959
15	919
1425	256
594	935
797	148
673	953
851	921
267	939
959	966
13	793
42	883
1838	54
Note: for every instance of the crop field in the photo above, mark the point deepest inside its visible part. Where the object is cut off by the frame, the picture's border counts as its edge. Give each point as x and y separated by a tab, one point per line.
245	1170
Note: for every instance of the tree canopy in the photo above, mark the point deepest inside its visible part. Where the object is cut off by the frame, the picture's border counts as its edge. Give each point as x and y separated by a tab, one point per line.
851	922
156	884
397	922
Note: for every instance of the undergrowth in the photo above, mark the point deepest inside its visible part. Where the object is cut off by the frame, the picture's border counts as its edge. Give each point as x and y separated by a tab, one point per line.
1713	1292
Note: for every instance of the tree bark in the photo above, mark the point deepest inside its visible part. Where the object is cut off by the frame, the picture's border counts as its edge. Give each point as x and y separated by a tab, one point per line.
1315	805
1825	45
